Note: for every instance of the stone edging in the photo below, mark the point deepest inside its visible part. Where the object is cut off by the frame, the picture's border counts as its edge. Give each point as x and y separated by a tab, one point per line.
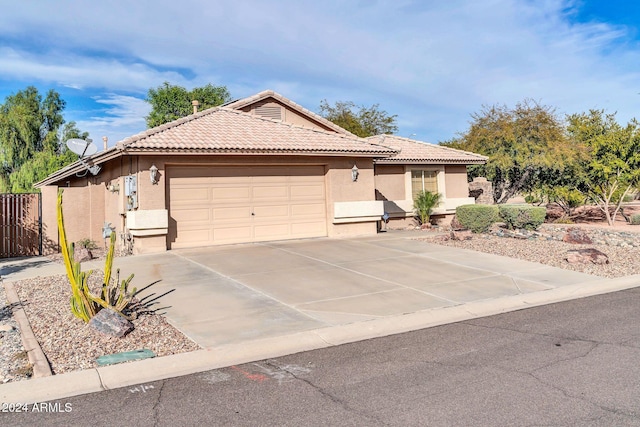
36	356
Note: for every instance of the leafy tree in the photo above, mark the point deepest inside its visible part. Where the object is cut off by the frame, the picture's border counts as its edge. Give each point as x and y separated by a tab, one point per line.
170	102
30	144
367	121
526	145
43	163
613	167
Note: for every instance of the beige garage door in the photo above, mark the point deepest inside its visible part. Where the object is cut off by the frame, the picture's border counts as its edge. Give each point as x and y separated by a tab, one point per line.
223	204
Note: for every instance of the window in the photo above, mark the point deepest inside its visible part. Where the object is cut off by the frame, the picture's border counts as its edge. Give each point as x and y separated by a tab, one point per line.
423	180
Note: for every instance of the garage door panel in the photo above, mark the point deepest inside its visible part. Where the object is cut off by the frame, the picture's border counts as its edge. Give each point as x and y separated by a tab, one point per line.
271	231
315	210
231	213
214	205
231	194
190	237
191	215
270	212
232	234
190	195
270	192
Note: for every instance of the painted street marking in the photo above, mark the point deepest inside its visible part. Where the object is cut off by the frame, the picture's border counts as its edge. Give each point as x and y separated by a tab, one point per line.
248	375
141	388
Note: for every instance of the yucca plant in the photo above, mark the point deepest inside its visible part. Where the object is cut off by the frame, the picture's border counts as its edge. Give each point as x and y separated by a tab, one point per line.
84	304
425	203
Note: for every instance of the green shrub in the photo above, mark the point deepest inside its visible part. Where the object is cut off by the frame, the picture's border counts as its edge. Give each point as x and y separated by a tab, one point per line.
477	218
635	219
424	204
87	243
522	216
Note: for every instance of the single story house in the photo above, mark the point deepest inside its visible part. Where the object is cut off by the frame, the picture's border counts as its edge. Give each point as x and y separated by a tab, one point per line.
257	169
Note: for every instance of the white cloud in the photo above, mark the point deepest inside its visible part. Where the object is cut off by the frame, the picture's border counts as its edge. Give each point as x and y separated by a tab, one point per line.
432	63
122	117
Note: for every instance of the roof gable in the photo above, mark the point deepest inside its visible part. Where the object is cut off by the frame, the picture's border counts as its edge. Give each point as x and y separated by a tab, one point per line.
264	104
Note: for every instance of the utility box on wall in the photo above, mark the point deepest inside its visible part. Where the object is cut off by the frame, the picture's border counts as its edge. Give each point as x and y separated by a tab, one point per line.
131	191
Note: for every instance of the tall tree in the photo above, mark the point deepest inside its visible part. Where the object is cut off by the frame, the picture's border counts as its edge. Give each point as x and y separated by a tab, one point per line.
525	144
43	163
612	168
170	102
361	121
29	124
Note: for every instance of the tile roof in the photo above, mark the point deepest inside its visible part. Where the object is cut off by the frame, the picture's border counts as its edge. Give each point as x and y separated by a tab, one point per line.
224	130
241	103
412	151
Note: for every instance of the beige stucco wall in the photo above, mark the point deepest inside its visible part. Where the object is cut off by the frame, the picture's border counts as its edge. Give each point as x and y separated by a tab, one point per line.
88	203
389	181
456	181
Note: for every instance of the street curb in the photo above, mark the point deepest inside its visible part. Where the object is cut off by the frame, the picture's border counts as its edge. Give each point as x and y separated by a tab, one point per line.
116	376
36	356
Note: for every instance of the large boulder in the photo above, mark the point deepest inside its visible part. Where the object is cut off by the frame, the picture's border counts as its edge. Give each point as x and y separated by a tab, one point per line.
82	254
109	322
577	236
461	235
587	255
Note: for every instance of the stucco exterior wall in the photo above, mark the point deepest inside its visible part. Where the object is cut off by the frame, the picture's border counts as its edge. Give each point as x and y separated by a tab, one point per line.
456	181
389	182
89	202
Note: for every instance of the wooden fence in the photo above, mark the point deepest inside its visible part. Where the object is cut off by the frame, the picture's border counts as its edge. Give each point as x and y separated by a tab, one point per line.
20	225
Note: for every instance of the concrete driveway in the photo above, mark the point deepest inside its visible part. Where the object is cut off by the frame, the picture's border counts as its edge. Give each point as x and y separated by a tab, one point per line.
237	293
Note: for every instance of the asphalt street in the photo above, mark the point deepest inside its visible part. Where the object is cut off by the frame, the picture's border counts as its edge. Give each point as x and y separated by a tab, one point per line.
567	364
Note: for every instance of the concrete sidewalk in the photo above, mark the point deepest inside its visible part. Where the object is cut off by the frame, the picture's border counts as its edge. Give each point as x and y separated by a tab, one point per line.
249	302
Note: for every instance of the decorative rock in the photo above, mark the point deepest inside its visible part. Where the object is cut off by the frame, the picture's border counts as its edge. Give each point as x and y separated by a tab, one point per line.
461	235
111	323
7	328
587	255
455	224
577	236
82	255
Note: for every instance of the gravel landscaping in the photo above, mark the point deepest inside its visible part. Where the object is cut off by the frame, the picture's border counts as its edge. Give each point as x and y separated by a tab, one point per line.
546	247
69	343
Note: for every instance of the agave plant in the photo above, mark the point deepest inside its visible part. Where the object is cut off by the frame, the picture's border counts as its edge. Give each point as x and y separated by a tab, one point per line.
84	304
424	204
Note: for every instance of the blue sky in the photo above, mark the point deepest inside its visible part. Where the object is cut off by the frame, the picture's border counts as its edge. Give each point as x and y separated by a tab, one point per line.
432	63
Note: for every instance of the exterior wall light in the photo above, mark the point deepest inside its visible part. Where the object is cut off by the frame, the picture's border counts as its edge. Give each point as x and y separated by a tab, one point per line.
114	188
153	174
354	173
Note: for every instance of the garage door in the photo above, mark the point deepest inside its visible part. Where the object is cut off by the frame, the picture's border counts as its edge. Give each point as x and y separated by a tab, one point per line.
218	205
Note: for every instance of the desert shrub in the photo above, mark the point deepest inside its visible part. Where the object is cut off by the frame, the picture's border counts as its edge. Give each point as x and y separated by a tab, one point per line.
477	218
87	243
563	220
522	216
635	219
424	204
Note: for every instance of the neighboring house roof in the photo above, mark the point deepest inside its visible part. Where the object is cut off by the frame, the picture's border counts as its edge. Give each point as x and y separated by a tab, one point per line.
411	151
222	130
244	102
